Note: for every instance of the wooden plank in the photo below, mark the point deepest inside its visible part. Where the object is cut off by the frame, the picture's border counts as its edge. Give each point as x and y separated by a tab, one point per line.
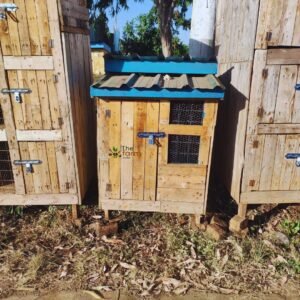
270	197
28	177
54	105
279	157
140	116
44	27
11	131
296	35
283	56
28	62
38	169
44	167
287	169
41	199
5	38
14	82
14	36
23	27
296	110
114	142
287	128
127	146
151	152
183	195
67	174
33	28
286	94
102	149
268	159
182	129
52	167
44	99
154	206
38	135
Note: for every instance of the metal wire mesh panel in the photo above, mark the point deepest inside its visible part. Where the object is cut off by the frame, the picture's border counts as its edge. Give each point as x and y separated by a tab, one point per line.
187	113
183	149
6	174
1	116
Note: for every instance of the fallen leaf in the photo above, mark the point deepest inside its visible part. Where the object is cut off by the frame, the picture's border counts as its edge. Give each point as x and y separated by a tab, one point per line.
127	266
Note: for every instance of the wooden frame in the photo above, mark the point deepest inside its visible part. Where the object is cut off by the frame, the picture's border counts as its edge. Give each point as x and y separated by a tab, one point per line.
48	52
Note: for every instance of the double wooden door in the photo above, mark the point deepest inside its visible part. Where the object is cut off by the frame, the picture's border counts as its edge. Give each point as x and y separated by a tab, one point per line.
271	170
154	155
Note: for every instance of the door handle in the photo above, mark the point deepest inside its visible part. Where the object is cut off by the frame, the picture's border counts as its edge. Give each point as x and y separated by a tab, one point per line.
295	156
28	164
151	136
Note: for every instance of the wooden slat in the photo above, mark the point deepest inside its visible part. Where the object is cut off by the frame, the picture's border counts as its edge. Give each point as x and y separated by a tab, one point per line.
67	174
44	168
182	129
151	152
38	135
23	27
33	28
140	116
283	56
42	199
11	131
296	110
291	146
286	94
43	23
44	99
279	159
268	159
28	62
127	146
278	128
52	167
183	195
270	197
296	37
102	149
28	177
114	142
154	206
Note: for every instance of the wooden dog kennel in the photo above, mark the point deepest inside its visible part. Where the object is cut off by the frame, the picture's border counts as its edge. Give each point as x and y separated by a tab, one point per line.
46	120
155	134
258	139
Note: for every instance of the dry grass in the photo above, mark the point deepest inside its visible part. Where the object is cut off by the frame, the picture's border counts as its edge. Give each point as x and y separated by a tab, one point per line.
153	253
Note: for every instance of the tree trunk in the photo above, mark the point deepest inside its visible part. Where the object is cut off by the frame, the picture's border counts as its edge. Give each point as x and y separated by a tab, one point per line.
165	10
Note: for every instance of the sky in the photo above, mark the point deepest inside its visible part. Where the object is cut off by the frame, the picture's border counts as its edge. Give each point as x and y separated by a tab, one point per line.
136	9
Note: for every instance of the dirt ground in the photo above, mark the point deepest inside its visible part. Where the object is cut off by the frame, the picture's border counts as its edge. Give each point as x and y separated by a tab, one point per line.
151	256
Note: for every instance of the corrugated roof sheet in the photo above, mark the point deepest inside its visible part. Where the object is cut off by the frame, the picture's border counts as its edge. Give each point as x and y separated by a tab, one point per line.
159	81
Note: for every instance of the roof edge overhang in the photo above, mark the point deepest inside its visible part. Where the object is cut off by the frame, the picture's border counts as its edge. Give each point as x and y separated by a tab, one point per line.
164	67
134	93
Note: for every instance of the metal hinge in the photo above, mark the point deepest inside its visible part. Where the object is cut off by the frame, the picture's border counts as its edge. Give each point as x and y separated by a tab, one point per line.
68	185
51	43
55	78
60	121
255	144
28	164
17	93
268	36
107	113
63	149
265	73
108	187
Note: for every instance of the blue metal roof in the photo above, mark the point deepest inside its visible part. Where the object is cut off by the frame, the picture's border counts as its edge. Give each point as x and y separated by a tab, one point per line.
97	45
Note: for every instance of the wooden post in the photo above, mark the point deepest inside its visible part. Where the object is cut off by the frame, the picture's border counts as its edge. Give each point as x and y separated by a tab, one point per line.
75	212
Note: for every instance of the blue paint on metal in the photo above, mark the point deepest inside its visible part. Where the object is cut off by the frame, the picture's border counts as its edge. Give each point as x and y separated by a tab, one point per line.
164	67
156	93
95	45
151	136
292	155
297	87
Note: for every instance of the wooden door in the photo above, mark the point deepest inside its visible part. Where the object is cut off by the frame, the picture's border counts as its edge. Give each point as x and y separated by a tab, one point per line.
135	174
278	23
127	163
273	130
38	126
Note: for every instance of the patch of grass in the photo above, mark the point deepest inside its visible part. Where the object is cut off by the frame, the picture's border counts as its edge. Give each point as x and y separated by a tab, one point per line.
291	228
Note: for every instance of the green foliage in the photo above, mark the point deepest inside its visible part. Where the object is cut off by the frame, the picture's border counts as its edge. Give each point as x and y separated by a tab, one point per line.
291	227
141	36
15	210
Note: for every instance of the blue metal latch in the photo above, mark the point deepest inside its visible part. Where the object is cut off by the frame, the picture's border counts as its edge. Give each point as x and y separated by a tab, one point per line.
295	156
151	136
297	87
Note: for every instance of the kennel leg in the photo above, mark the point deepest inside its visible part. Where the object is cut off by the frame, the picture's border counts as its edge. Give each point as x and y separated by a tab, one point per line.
239	223
75	211
106	214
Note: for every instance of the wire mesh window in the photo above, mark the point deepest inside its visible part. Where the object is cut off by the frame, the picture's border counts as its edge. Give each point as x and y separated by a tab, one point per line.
183	149
186	112
6	174
1	116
